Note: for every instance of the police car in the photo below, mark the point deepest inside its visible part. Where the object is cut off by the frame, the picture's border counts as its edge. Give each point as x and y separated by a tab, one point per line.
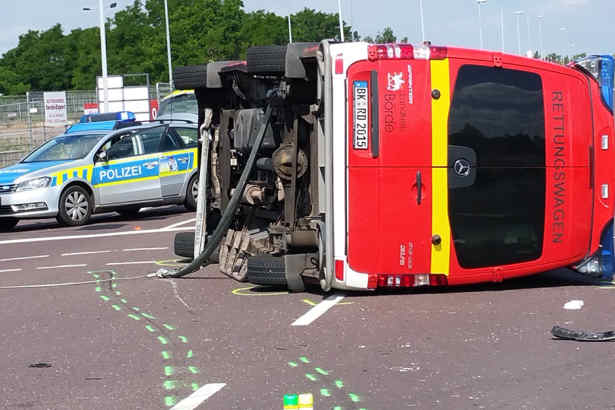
101	166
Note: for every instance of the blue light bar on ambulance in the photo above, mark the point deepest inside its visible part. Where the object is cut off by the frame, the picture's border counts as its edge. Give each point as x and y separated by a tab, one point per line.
108	116
601	68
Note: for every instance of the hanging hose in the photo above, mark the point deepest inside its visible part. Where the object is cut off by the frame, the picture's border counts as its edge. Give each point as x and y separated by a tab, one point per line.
229	211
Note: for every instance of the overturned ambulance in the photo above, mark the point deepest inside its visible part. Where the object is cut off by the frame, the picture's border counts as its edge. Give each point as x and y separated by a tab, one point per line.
363	166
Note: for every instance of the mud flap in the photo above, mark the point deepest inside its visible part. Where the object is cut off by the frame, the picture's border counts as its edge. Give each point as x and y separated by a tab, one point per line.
294	266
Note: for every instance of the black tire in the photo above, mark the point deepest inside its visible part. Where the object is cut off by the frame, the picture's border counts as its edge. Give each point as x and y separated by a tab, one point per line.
266	60
192	193
131	212
7	224
190	77
183	245
75	207
267	270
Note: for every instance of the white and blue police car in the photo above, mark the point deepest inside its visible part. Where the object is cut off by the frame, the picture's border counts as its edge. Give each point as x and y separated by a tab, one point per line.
99	166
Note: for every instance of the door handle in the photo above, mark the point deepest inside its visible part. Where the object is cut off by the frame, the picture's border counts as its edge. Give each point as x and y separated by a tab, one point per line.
419	188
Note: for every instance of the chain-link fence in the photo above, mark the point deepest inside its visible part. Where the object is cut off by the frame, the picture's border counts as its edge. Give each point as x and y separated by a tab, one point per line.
22	120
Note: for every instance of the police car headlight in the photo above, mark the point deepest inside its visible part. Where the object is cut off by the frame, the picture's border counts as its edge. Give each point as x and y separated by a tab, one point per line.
36	183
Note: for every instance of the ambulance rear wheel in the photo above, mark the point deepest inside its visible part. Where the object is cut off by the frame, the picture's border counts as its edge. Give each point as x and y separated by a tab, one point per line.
75	206
6	224
192	193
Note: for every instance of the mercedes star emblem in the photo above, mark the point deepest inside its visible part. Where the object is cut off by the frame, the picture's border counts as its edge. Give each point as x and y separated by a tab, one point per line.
462	167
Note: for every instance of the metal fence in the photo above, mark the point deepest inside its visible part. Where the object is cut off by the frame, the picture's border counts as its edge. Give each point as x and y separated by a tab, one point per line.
22	120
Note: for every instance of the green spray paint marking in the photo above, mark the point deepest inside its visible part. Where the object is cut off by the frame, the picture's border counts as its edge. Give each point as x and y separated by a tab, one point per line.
321	371
166	355
354	397
339	384
325	392
304	359
311	377
170	384
292	364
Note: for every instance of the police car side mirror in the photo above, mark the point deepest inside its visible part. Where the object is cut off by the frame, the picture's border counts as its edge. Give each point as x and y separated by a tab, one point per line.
101	156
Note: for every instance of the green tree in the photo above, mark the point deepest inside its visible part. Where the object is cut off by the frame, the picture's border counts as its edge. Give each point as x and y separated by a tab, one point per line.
386	36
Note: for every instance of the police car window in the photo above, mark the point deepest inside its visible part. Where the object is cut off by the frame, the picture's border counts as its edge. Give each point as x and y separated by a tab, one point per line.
122	146
64	148
170	143
189	136
151	140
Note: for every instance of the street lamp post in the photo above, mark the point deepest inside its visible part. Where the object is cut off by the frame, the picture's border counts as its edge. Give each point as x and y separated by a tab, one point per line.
502	27
422	21
518	14
540	45
166	17
480	21
339	8
529	38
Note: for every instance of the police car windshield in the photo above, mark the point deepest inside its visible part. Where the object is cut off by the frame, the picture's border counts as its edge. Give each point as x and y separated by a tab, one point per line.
183	103
64	148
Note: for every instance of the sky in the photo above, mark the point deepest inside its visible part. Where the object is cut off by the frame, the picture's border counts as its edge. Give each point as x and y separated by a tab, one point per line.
568	26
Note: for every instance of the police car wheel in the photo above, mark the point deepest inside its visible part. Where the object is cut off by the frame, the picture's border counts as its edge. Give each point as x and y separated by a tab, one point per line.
192	193
6	224
75	206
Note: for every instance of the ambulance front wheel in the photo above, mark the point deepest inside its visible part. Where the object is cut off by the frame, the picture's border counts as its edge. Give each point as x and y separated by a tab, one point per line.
192	193
75	206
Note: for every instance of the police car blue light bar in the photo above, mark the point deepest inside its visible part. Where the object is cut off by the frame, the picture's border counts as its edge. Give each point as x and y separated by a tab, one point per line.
126	116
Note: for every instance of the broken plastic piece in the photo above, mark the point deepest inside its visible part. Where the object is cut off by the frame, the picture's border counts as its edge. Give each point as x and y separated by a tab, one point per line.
563	333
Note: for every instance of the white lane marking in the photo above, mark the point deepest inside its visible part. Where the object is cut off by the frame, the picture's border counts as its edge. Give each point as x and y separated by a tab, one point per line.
23	258
100	235
145	249
62	266
175	225
85	253
130	263
318	310
574	305
10	270
198	397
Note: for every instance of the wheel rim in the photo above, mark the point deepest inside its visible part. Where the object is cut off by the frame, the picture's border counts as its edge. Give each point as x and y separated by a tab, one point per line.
195	189
76	206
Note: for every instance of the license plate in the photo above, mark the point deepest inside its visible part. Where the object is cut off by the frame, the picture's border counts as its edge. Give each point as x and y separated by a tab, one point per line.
360	115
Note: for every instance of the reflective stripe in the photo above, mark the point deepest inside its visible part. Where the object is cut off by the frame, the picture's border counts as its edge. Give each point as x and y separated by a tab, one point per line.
127	181
440	80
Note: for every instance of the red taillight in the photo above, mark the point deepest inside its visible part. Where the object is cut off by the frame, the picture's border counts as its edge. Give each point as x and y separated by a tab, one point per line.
339	270
438	53
389	51
406	280
339	64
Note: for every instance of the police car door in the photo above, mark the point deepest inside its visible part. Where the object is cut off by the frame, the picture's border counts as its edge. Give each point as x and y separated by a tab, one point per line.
177	159
129	172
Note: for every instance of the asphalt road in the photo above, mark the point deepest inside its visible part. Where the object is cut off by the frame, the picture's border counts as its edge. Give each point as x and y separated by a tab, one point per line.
83	327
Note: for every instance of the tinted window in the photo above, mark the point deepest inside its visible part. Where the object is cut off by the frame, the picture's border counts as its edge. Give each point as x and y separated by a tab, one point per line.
499	218
189	136
150	139
122	146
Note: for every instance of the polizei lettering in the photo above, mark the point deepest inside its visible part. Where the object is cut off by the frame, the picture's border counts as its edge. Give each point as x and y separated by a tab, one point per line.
559	177
107	175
